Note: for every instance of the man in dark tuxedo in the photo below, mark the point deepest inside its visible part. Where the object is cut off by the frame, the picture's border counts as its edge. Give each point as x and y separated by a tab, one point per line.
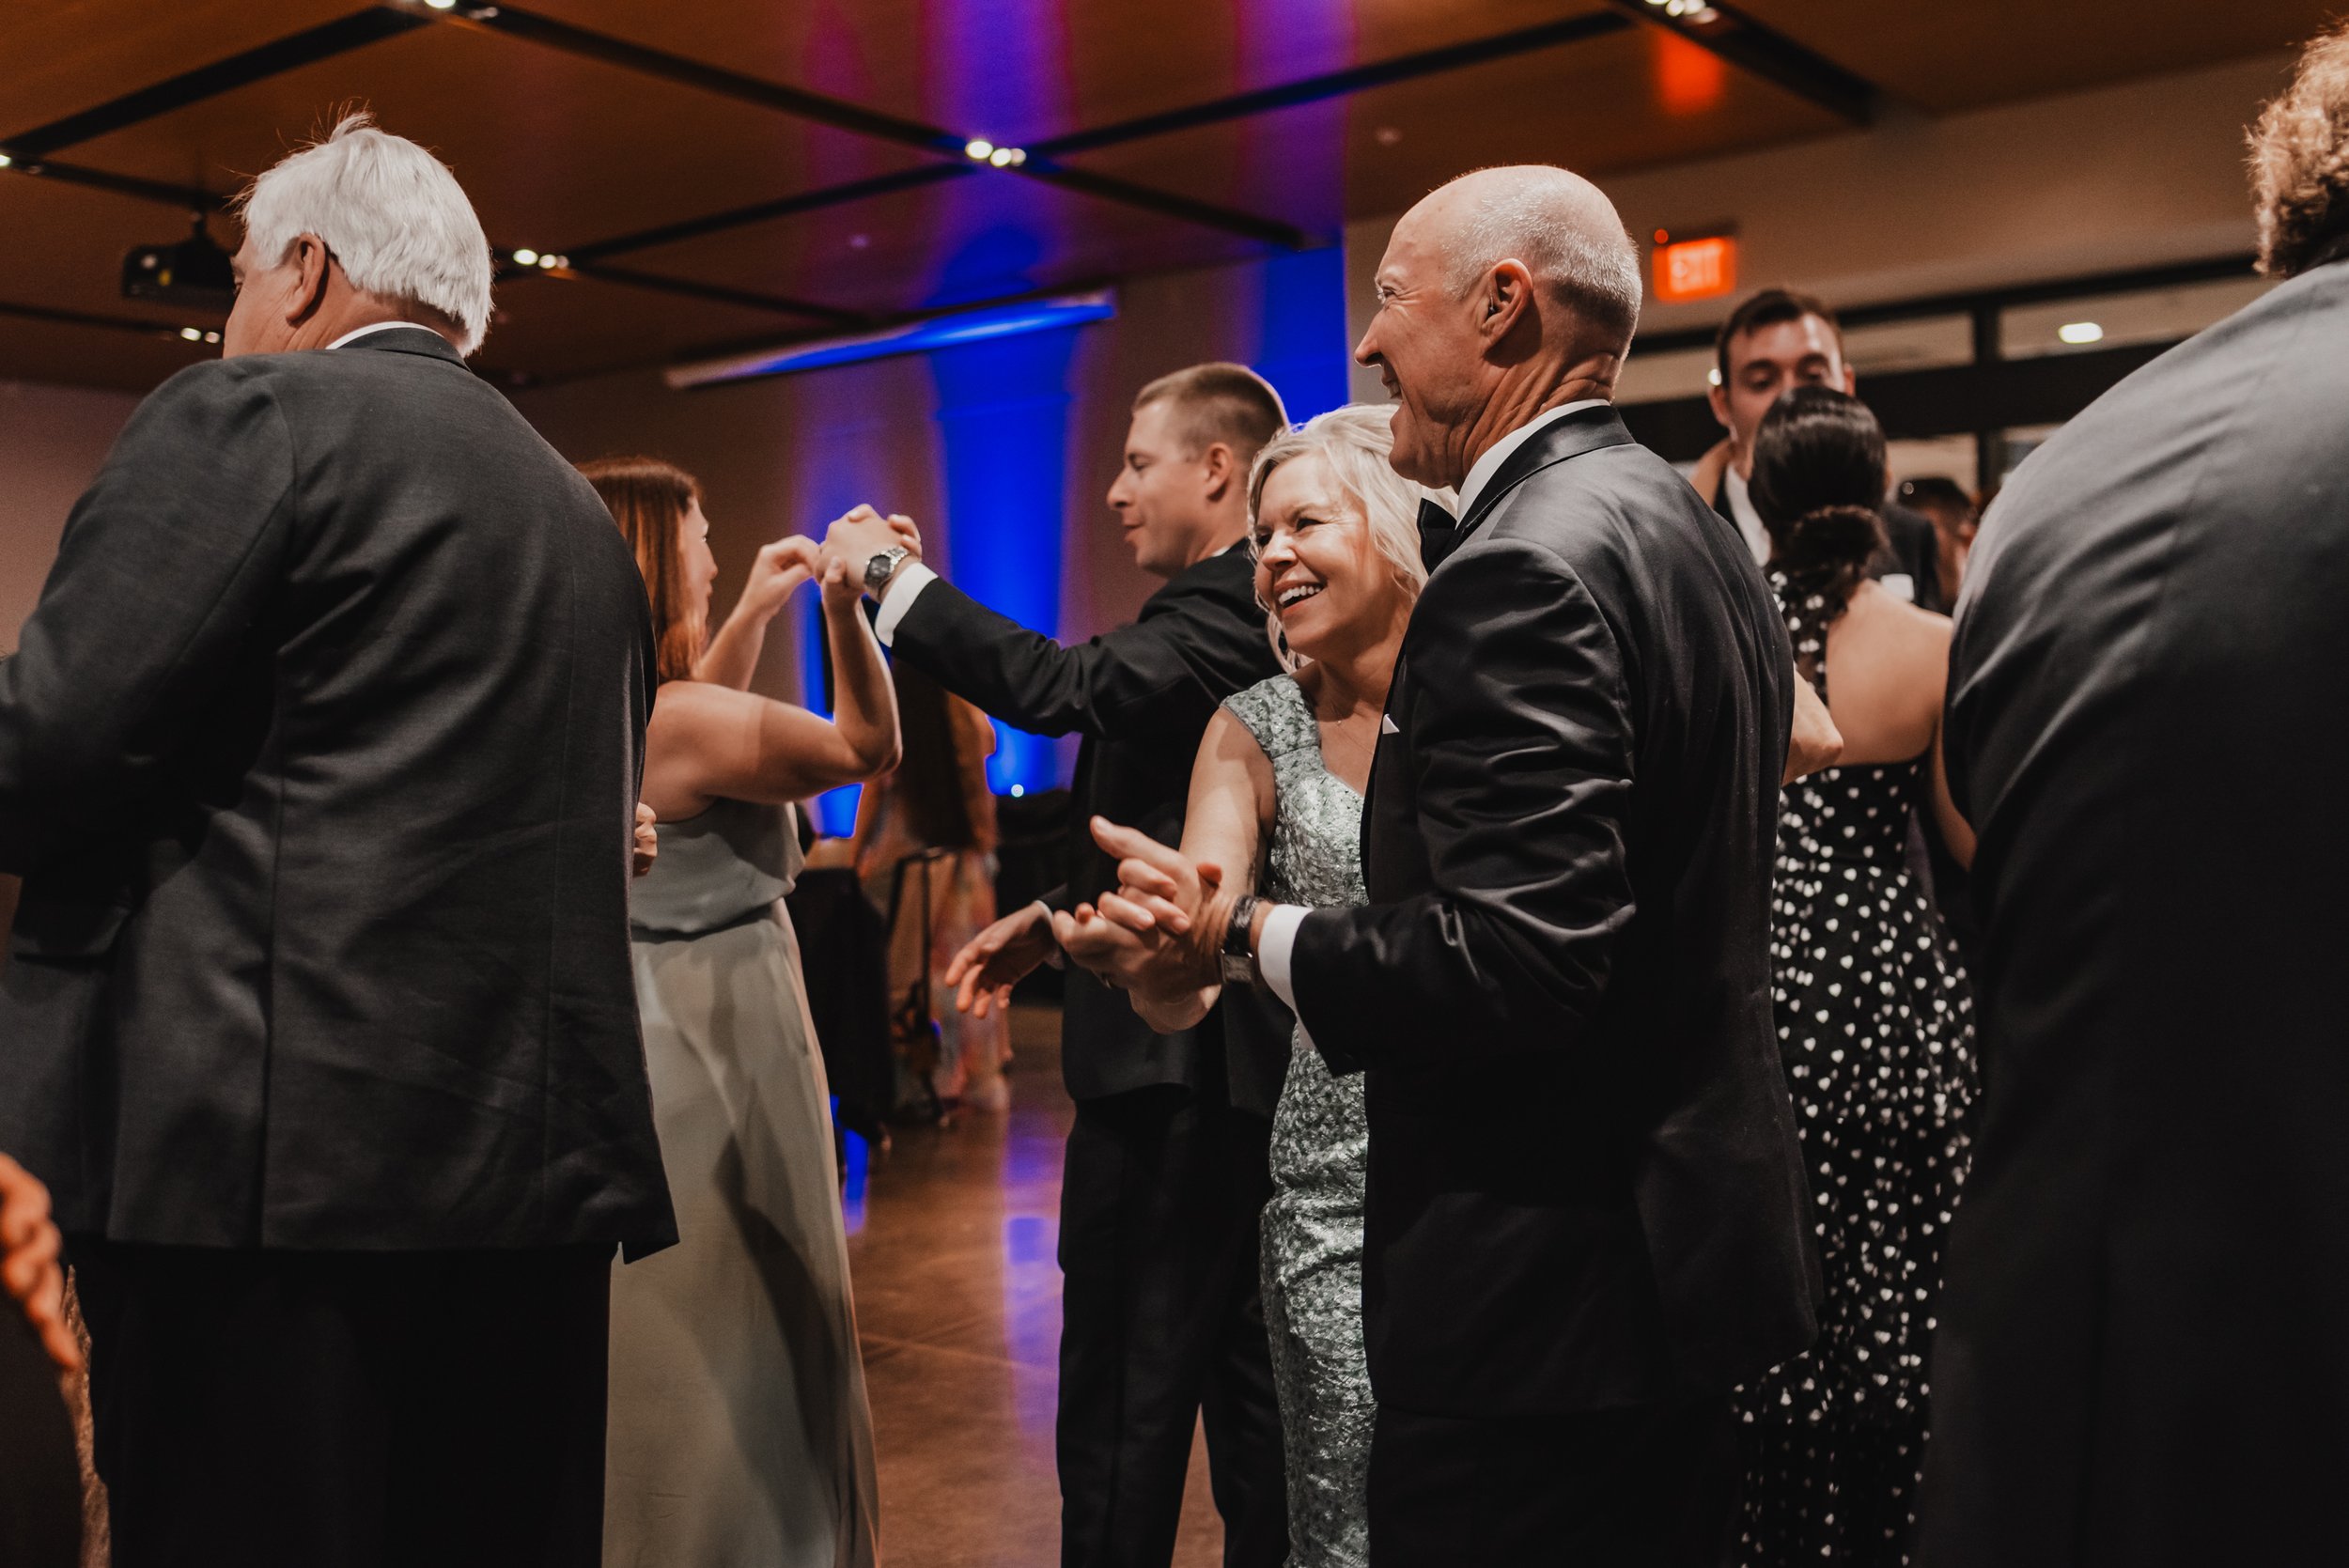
1168	1160
1774	341
2141	1357
319	758
1587	1218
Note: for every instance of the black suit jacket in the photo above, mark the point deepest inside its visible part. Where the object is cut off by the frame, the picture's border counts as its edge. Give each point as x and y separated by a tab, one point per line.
1585	1190
320	757
2142	1354
1141	695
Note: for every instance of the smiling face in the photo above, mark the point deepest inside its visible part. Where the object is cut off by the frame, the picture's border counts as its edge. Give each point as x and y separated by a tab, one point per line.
1425	344
1766	364
693	555
1318	568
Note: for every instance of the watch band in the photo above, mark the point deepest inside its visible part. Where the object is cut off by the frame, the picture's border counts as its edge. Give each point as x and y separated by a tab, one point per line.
1237	964
882	566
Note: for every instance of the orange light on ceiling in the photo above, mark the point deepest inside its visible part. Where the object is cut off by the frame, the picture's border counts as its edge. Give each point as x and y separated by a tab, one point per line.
1696	269
1690	79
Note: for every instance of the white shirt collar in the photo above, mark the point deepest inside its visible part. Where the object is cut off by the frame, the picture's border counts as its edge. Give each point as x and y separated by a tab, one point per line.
357	333
1487	466
1748	520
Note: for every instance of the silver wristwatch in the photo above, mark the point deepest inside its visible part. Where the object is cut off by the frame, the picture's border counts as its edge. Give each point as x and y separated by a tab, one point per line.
1237	964
882	567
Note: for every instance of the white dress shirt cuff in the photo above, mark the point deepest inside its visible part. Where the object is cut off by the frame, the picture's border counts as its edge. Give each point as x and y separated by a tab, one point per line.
1275	948
911	579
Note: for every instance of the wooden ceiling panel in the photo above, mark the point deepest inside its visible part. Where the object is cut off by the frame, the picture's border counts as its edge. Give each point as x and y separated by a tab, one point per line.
75	263
1028	70
86	356
63	56
1946	58
985	235
550	328
554	150
1599	107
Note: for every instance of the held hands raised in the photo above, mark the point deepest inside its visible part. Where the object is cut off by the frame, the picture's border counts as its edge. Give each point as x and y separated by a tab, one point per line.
863	533
777	573
1160	933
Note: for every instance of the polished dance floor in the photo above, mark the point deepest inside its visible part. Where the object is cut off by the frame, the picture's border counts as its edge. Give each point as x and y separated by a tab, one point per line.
951	1240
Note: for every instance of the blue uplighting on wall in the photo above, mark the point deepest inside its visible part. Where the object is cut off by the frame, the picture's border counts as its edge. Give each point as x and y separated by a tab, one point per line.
1003	414
943	331
1303	350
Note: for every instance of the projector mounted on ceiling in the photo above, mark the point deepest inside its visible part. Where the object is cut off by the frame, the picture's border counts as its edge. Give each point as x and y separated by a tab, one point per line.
194	272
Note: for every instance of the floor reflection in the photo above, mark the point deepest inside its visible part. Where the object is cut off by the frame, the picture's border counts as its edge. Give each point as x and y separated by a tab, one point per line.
953	1240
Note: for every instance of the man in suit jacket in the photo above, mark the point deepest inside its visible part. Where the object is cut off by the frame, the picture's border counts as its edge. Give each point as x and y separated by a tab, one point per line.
1587	1215
1776	340
1168	1160
2141	1357
319	758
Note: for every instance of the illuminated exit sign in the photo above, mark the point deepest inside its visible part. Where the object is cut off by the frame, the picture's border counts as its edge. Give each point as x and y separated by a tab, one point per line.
1698	269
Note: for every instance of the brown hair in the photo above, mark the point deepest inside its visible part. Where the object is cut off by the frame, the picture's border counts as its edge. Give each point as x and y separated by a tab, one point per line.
1219	402
2300	163
1768	309
942	783
649	499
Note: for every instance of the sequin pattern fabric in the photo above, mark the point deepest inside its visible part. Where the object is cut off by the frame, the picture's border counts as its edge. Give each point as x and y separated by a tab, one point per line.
1312	1226
1875	1031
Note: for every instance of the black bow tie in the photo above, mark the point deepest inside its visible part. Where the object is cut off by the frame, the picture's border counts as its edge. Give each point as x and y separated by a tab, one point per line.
1438	532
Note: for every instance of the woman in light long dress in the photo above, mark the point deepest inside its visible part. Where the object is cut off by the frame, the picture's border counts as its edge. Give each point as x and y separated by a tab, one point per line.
1276	799
738	1432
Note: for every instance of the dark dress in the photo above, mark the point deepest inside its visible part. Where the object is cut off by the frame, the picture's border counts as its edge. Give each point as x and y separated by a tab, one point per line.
1875	1027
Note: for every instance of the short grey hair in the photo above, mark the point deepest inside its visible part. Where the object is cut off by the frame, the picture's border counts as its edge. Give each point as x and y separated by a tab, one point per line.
1596	273
1355	441
389	211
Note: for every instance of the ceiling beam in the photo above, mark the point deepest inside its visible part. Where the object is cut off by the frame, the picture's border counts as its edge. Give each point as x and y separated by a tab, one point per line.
313	44
1341	83
1763	52
840	114
187	199
781	206
173	330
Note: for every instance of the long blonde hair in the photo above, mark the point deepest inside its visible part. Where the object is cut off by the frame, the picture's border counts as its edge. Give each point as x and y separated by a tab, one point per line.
1355	440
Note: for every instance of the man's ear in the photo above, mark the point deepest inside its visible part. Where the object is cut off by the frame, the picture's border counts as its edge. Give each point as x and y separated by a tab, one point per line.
1504	298
313	267
1221	468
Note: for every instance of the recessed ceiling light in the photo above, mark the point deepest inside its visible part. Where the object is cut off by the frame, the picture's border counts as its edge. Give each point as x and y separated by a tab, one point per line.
6	160
211	338
1387	135
979	149
549	261
525	257
441	5
2080	332
194	335
1000	158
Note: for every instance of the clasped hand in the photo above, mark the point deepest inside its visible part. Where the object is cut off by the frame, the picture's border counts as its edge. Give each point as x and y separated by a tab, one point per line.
863	533
1159	933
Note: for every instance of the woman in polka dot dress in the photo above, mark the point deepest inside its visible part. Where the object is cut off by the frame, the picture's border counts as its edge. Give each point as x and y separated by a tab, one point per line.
1875	1022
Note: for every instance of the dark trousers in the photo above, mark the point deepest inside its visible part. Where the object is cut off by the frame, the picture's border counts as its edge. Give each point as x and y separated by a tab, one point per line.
40	1479
349	1410
1160	1322
1651	1486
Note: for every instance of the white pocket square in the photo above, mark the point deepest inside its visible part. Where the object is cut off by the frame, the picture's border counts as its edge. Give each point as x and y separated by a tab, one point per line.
1386	725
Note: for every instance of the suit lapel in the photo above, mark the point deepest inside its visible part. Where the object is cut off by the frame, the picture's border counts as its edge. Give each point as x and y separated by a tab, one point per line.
1585	431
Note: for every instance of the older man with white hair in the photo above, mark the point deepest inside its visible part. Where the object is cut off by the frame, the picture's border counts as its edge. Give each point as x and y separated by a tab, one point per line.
1587	1218
320	758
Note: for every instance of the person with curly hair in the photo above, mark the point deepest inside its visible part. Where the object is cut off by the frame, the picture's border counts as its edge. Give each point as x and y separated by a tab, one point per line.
2141	1357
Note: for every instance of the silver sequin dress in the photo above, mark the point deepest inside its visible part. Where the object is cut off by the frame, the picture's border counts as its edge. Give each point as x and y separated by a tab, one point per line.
1312	1226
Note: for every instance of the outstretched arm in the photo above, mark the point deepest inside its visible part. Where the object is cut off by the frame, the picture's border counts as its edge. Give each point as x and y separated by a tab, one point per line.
732	656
